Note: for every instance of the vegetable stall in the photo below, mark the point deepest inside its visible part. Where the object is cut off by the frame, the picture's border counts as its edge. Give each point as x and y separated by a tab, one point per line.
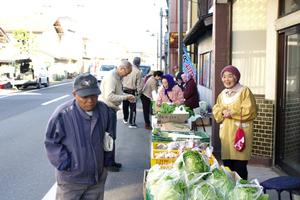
183	166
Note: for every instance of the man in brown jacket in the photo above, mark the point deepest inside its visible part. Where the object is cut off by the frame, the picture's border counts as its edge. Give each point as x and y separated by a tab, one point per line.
146	96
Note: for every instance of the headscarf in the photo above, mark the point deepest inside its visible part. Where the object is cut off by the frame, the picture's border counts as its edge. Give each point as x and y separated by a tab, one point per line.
232	69
187	76
171	82
178	76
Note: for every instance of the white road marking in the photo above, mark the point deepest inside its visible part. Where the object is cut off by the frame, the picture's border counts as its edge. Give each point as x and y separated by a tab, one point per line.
8	93
51	193
53	100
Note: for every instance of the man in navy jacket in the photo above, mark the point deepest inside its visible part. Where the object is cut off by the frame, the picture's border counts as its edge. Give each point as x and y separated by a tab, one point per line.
75	142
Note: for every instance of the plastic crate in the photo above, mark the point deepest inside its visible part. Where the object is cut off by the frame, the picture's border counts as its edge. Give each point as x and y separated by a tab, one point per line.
156	152
165	163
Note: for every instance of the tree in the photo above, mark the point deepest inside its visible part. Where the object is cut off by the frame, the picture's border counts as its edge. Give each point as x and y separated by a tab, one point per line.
24	41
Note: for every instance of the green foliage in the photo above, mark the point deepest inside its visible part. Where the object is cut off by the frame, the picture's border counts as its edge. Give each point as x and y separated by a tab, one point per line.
166	108
189	110
24	40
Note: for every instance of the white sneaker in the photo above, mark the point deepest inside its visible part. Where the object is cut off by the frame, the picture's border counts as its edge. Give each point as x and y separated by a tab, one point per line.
132	126
125	122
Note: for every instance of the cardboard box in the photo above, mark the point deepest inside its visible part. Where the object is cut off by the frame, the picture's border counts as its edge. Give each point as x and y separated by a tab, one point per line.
179	118
203	121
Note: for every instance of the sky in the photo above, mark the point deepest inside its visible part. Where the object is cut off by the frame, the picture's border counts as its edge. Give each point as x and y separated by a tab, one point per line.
129	22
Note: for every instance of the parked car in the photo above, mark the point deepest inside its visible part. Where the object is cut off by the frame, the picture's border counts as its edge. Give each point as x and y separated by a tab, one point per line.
103	70
5	82
145	69
31	76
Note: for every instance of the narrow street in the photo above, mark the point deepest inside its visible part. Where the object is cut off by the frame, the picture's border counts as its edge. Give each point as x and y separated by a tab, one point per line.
25	170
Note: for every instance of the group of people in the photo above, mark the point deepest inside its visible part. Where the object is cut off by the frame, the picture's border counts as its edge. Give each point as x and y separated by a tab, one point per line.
81	133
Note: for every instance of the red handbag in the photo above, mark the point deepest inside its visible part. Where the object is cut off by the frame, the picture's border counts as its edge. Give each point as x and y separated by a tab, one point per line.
239	140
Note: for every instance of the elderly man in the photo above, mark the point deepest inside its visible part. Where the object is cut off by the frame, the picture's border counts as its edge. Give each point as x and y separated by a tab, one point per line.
112	95
132	84
75	142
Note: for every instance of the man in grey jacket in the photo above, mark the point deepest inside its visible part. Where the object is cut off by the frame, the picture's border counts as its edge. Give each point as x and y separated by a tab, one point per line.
132	84
75	142
112	95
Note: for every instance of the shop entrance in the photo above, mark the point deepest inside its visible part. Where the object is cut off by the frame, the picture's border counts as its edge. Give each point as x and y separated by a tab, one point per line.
287	150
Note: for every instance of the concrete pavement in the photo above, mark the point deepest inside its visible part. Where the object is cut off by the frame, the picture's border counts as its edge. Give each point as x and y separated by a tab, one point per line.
262	173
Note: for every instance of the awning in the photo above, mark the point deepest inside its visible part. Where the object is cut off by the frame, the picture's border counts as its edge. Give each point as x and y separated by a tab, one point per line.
203	25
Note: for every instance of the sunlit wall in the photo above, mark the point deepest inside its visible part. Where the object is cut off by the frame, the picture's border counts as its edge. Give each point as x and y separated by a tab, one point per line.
249	42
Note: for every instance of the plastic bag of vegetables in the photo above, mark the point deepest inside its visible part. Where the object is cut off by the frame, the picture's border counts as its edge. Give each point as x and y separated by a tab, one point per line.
169	186
204	191
221	181
247	190
191	162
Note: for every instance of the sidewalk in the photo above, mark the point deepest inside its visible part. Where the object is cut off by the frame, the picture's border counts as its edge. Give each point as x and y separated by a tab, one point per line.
262	173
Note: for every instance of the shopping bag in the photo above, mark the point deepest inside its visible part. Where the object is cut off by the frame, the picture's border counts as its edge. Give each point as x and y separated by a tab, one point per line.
239	140
108	142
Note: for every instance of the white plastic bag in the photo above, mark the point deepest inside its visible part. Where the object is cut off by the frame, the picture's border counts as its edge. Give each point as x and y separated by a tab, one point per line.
108	142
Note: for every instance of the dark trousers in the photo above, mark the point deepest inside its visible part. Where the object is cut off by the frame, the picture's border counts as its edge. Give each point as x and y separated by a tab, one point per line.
239	166
129	109
146	108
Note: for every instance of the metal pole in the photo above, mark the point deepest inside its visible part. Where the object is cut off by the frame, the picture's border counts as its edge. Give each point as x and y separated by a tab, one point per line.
180	30
157	51
160	45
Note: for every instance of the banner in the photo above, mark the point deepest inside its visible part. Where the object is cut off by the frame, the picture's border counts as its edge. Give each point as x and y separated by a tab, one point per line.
188	66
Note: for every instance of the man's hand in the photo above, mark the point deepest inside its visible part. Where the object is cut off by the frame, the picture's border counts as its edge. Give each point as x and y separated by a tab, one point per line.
131	98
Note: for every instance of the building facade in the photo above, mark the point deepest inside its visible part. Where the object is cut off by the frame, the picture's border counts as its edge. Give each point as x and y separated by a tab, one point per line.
262	39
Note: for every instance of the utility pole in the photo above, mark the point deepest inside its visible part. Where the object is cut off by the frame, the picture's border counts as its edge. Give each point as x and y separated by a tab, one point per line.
180	30
161	40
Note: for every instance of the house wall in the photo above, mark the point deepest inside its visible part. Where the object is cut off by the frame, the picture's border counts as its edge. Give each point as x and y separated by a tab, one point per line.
173	15
271	50
192	16
173	27
205	45
249	42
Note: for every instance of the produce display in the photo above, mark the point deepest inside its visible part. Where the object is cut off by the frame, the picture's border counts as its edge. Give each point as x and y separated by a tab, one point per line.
183	166
193	178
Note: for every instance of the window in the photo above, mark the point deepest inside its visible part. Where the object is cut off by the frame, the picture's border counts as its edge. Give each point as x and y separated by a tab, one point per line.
289	6
204	70
204	7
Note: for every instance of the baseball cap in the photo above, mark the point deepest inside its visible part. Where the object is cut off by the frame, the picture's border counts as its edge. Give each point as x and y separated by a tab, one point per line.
86	85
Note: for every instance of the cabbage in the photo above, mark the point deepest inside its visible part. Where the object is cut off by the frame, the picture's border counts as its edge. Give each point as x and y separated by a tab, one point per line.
192	162
221	181
247	190
171	189
204	191
165	185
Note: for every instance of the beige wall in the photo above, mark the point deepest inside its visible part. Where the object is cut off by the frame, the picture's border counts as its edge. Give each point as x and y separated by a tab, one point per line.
249	42
271	51
192	17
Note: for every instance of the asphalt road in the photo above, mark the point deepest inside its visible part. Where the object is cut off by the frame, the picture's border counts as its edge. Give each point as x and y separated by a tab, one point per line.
25	172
